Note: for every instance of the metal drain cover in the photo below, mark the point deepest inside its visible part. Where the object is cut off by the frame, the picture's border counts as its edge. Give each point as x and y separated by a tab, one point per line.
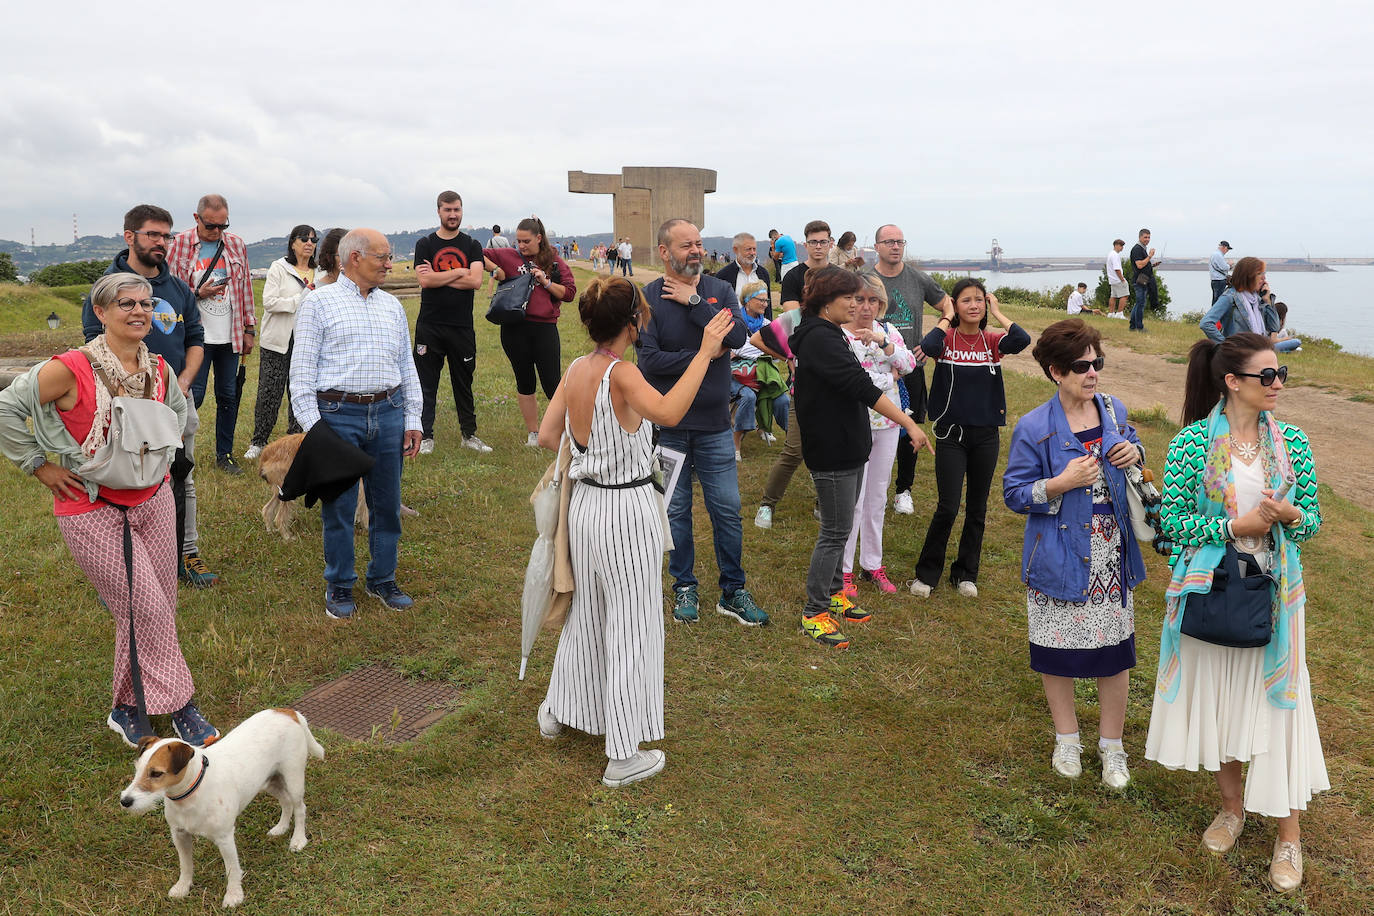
377	701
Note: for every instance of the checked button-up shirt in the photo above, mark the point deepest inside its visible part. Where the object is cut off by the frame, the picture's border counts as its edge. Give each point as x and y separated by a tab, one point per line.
349	343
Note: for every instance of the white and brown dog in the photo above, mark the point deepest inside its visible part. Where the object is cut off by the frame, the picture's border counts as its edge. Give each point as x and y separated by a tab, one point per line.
204	789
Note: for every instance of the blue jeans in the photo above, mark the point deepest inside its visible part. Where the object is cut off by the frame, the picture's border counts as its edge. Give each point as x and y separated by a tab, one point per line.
711	457
748	400
379	430
226	364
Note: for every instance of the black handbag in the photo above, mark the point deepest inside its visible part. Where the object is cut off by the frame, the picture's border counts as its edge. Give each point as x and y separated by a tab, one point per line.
511	298
1238	611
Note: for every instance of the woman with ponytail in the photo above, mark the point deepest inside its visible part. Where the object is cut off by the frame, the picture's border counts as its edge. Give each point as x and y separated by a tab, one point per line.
1236	475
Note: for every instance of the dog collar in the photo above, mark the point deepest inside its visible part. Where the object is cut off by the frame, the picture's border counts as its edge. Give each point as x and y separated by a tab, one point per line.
204	765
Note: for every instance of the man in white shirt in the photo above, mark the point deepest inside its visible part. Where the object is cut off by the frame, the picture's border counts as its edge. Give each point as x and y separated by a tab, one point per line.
623	251
1078	301
1116	305
1219	270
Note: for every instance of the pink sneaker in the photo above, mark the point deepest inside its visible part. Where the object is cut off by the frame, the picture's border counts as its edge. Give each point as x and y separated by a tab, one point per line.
849	589
879	577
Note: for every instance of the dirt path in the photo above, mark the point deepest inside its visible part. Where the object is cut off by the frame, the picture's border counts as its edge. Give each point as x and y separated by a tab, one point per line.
1341	430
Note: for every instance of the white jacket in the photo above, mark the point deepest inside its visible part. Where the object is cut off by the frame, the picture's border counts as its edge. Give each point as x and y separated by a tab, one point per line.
281	296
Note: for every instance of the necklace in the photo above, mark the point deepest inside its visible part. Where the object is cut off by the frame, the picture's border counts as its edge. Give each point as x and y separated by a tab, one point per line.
1248	451
605	352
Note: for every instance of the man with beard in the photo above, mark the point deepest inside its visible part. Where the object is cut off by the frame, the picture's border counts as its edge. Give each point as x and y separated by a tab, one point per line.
681	303
449	264
746	269
177	336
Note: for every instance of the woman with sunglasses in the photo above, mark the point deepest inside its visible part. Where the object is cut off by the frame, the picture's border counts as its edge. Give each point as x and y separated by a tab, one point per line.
69	401
1235	474
288	280
1080	562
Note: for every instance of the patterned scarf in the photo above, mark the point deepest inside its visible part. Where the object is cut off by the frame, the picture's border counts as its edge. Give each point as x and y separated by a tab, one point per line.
1192	574
133	384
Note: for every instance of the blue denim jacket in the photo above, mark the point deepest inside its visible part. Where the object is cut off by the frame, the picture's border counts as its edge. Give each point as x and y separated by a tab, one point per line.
1056	556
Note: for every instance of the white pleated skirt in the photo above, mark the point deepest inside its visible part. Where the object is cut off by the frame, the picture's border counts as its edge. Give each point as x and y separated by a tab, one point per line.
1221	714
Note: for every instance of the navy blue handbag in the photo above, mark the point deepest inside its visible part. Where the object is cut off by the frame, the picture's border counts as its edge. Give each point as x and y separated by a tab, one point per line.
1238	611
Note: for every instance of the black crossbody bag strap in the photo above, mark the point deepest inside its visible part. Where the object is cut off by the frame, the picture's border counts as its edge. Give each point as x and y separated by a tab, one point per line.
214	262
135	674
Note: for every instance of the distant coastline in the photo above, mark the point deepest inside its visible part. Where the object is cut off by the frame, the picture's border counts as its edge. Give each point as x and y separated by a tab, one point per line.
1095	264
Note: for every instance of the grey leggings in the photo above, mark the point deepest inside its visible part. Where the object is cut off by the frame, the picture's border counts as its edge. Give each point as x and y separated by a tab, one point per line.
836	494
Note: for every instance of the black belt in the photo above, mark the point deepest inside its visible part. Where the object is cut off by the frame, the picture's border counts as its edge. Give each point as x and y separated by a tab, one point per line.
347	396
643	481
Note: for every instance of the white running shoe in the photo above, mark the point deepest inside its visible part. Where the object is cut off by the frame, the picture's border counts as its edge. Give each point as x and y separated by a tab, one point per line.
768	437
968	589
764	517
919	588
632	769
253	452
426	446
1066	760
472	442
902	505
1114	772
532	440
737	455
549	727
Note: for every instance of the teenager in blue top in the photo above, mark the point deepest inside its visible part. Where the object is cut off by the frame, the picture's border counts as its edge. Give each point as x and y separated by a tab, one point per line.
968	406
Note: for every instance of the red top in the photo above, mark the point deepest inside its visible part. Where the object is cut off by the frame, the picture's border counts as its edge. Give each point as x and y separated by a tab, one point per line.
78	422
543	307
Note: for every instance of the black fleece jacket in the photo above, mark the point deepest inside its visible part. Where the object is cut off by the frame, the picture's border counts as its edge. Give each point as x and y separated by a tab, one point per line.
832	397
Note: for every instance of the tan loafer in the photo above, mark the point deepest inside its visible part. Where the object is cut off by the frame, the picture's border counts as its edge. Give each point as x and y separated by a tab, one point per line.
1223	833
1285	870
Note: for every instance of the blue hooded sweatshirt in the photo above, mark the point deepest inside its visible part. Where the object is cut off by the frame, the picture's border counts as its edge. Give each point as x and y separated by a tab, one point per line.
176	315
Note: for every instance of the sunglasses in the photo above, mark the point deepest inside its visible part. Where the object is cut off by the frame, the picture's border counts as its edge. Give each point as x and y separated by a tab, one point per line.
211	227
1079	366
312	239
1267	376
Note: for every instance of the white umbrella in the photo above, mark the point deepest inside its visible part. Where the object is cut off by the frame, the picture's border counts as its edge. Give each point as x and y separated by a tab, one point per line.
537	598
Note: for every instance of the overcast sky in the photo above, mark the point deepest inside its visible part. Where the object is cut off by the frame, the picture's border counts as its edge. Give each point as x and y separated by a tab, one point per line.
1054	127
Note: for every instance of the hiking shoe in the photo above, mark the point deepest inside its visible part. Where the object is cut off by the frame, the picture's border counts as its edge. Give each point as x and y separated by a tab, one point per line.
879	578
253	452
764	517
549	727
226	464
338	602
192	727
427	446
685	608
532	440
919	588
477	445
1223	832
967	589
741	606
194	571
823	629
849	589
841	606
1066	760
123	721
901	504
1114	772
390	594
632	769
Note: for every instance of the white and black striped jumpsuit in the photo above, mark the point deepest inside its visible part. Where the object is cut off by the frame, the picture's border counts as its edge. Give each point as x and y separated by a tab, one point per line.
608	672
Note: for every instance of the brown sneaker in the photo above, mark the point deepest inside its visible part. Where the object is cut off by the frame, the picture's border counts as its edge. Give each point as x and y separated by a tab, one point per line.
1285	870
1223	832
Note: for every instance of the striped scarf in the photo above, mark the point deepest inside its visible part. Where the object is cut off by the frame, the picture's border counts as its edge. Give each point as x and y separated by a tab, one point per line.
1192	574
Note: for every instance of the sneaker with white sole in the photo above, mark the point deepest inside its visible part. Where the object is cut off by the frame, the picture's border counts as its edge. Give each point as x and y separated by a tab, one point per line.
967	589
426	446
738	457
532	440
919	588
549	727
253	452
764	517
767	437
1114	772
477	445
1066	760
902	505
632	769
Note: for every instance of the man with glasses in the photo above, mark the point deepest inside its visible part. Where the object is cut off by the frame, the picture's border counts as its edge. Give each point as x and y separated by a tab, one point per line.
214	264
907	289
448	263
352	368
176	336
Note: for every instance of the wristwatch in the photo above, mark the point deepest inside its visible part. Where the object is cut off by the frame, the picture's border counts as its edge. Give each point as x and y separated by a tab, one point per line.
693	300
33	464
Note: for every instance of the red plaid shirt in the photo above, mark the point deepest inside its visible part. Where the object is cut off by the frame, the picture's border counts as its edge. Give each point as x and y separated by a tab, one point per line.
182	255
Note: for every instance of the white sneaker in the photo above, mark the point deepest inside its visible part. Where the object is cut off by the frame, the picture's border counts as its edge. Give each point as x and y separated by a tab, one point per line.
253	452
532	440
1066	760
426	446
549	727
764	517
920	589
632	769
1114	772
902	503
472	442
768	437
737	455
968	589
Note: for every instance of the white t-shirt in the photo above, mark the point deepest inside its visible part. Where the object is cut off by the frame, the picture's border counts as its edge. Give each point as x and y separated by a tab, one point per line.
625	250
1076	302
1114	267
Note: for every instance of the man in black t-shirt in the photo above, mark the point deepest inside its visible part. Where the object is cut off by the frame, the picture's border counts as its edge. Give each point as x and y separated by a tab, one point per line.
448	264
1144	262
818	245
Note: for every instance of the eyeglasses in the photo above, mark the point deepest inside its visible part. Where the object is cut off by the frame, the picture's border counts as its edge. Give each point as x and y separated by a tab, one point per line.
212	227
1266	376
311	239
127	305
1079	366
898	243
820	242
383	256
154	236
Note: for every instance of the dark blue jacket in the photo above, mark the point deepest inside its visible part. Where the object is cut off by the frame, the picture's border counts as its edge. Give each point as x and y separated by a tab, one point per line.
672	339
1056	556
176	317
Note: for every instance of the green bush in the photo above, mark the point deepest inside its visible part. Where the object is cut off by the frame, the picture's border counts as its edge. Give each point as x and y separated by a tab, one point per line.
71	273
8	272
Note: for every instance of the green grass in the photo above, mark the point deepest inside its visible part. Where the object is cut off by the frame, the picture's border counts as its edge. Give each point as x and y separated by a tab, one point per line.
908	775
